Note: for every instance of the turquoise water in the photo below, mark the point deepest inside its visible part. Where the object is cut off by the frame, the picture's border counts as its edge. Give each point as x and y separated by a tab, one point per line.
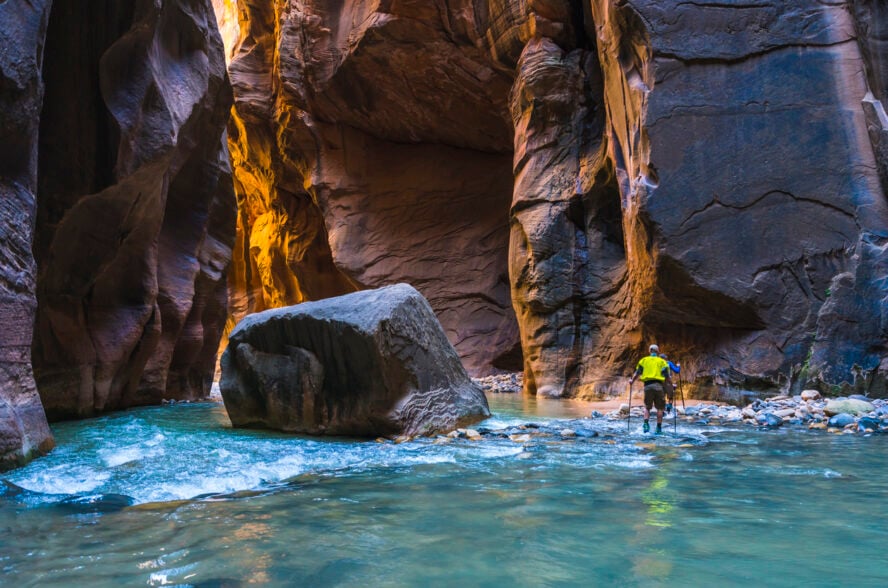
173	496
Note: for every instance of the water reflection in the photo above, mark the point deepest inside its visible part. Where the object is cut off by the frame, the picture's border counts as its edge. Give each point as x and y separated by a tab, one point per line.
606	510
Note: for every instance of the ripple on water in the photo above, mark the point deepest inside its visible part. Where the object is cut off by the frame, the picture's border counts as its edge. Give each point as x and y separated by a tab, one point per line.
182	452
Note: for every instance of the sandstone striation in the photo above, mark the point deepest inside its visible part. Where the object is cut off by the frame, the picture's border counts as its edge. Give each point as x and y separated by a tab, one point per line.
371	145
135	214
753	212
23	427
369	363
706	175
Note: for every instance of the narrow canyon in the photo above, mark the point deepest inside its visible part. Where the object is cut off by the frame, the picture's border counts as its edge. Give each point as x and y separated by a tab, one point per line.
565	181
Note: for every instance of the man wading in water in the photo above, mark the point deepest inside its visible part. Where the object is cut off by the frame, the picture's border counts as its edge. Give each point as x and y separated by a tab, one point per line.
654	372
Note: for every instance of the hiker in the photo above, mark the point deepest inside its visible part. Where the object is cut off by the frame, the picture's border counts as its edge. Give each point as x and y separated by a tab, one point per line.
674	368
654	371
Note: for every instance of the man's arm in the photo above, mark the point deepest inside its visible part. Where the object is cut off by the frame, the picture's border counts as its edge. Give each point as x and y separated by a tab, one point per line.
636	374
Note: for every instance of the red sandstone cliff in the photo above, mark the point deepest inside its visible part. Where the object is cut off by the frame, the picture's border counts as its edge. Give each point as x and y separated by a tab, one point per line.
703	175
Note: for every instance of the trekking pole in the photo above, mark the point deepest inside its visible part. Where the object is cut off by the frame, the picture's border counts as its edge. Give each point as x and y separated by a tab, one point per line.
680	391
629	420
674	415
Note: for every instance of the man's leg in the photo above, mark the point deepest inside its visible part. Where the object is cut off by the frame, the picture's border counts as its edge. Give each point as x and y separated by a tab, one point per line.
660	402
648	402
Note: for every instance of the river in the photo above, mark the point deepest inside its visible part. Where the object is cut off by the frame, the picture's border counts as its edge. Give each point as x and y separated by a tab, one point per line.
174	496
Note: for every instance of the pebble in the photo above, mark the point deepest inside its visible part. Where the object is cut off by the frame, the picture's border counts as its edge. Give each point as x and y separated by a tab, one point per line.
519	438
810	395
568	433
773	420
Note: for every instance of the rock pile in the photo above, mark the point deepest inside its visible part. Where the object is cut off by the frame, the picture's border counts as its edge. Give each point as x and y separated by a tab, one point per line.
500	383
838	415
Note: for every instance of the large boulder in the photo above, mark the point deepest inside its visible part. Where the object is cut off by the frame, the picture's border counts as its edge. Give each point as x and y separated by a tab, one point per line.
369	363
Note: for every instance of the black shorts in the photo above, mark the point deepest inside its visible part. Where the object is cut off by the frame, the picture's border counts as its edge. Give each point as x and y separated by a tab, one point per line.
654	395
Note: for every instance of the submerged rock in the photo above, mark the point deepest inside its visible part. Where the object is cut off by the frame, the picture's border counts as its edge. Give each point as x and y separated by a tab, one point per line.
370	363
96	503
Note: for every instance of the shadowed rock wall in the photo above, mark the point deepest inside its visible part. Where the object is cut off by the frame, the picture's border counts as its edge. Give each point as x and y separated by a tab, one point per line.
135	207
23	427
705	175
754	218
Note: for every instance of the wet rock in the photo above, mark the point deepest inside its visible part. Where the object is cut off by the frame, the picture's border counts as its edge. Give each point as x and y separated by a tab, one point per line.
567	433
810	395
384	366
772	420
850	406
870	423
97	503
473	435
595	415
841	420
520	438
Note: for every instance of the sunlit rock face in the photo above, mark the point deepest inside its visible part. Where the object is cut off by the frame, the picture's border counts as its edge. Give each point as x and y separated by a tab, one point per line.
372	145
136	213
23	427
700	175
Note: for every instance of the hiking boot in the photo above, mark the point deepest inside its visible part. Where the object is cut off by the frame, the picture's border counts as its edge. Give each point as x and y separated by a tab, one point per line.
646	427
659	429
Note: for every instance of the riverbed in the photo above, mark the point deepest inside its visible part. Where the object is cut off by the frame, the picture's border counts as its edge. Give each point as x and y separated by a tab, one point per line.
173	495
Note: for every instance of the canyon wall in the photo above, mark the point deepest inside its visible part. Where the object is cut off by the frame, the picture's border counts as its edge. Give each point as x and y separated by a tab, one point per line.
23	427
135	216
702	175
369	148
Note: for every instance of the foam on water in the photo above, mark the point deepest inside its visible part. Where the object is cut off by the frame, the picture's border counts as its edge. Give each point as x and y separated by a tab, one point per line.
182	452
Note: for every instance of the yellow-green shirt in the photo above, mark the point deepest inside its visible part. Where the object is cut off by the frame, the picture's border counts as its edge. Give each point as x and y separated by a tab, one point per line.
652	368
